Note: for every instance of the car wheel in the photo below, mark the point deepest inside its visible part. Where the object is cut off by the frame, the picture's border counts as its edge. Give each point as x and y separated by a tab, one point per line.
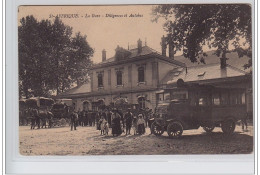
157	129
208	129
228	126
175	129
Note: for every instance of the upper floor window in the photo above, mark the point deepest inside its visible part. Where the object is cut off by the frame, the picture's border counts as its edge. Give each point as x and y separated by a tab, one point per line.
141	74
119	78
100	80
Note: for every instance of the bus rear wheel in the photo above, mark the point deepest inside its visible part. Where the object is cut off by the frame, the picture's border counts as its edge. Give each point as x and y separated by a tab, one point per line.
228	126
175	129
157	129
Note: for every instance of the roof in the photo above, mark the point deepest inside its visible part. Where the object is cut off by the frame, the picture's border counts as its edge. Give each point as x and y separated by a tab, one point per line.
202	72
134	53
146	51
82	89
233	60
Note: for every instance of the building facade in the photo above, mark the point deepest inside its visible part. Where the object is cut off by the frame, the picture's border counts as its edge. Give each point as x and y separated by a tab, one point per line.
133	75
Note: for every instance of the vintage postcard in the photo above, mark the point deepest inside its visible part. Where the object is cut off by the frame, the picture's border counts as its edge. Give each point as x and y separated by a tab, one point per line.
168	79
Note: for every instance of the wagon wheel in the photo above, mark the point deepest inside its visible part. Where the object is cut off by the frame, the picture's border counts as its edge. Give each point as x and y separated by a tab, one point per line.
228	126
209	129
157	129
175	129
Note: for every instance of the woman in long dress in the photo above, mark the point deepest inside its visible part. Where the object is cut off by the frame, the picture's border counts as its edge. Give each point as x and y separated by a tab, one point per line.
116	126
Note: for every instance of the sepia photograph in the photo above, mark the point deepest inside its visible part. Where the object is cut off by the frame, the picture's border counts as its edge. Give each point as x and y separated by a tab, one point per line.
170	79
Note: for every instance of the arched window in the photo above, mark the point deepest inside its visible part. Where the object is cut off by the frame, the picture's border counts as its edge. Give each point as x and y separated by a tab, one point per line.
141	74
86	105
100	80
141	102
119	78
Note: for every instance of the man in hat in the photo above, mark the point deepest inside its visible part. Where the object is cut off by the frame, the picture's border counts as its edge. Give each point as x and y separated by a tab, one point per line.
128	120
74	120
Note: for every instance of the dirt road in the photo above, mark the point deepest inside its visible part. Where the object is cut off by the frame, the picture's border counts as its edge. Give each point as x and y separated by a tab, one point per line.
88	141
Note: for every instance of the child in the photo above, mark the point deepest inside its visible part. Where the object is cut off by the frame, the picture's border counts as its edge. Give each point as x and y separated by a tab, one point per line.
102	122
106	128
140	124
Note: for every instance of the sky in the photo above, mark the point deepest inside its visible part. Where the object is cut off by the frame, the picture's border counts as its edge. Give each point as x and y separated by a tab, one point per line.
105	32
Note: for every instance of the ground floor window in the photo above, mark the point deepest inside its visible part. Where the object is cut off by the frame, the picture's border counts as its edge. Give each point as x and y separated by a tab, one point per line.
141	102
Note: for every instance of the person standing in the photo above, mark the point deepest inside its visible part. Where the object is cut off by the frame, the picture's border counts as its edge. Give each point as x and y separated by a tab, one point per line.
244	123
79	116
116	126
93	117
74	120
33	118
37	118
50	119
140	124
98	117
109	114
128	121
150	121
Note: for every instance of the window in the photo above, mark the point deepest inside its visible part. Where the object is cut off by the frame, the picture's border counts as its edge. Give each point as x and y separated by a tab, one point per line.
141	102
243	98
100	80
119	78
179	95
141	74
160	97
167	97
224	98
237	98
163	97
109	77
202	101
215	99
86	105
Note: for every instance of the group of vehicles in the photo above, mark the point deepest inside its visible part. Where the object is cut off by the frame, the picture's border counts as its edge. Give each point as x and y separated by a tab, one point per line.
56	114
183	107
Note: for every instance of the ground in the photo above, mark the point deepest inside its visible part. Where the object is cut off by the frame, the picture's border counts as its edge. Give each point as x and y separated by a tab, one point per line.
88	141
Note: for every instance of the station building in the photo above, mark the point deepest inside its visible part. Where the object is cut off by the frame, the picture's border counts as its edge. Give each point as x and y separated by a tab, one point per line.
139	75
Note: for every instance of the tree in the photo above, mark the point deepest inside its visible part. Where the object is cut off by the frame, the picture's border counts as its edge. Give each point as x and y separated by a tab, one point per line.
49	55
81	51
219	26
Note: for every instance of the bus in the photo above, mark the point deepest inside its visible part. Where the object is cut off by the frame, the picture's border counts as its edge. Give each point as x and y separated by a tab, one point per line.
190	106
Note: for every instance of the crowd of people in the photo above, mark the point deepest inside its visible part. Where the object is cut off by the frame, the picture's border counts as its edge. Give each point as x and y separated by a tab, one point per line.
108	120
112	119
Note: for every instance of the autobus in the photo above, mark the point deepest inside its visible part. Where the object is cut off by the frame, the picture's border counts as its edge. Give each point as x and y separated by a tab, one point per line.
192	106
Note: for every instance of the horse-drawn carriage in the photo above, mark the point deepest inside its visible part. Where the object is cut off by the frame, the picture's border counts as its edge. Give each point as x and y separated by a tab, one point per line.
193	106
60	113
42	105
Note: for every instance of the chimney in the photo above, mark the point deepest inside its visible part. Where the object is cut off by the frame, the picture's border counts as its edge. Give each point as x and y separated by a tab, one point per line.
139	46
164	46
104	57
